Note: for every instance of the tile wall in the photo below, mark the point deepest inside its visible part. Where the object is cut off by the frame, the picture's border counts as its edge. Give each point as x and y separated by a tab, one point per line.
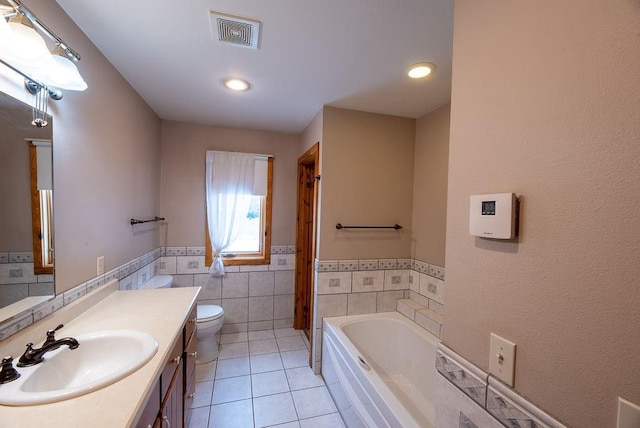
17	279
130	276
262	297
353	287
254	298
467	396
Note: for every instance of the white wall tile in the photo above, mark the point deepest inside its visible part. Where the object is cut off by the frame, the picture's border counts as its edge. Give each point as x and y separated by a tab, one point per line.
182	281
261	308
168	265
330	305
283	306
366	281
361	303
236	310
387	300
432	287
396	279
190	265
211	287
144	275
414	281
419	298
261	283
253	268
284	282
129	283
17	273
235	285
283	262
333	282
427	323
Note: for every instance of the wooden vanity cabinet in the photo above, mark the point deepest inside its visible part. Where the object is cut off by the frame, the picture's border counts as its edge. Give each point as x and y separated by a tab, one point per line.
170	401
190	355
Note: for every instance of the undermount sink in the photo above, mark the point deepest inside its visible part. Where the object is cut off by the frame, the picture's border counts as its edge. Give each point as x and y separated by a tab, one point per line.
101	359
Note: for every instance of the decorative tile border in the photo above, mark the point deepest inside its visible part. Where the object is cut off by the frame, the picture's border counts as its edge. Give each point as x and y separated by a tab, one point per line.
491	395
128	272
378	264
462	374
514	411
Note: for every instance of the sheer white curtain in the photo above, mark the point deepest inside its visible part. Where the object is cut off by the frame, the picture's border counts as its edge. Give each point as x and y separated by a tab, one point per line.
229	184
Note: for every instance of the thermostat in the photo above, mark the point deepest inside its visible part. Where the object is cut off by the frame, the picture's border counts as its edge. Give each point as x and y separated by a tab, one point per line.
494	216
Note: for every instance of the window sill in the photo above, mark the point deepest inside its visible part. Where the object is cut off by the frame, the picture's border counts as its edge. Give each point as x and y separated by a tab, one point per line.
244	260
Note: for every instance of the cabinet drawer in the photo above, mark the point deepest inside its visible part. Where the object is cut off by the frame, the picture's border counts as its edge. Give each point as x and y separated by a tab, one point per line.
170	368
190	325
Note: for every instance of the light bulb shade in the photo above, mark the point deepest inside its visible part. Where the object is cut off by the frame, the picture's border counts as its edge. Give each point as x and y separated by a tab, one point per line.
62	74
26	50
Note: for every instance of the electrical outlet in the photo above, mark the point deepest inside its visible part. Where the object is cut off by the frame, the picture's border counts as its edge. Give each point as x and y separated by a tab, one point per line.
502	359
100	265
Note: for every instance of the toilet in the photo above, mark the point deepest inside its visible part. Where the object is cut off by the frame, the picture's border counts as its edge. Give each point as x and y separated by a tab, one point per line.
208	323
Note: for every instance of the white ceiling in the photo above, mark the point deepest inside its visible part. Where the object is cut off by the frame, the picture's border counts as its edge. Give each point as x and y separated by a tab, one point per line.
346	53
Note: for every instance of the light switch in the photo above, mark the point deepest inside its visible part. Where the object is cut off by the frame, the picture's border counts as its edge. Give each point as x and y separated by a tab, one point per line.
502	359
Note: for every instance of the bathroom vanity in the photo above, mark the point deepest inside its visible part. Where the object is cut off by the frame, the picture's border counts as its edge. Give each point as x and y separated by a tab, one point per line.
156	393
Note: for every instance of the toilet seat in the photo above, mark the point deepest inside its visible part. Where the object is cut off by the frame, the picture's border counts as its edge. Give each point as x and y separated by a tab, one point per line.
207	313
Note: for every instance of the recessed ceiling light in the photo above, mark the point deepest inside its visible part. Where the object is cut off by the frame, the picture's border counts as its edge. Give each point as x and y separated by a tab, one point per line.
420	70
236	84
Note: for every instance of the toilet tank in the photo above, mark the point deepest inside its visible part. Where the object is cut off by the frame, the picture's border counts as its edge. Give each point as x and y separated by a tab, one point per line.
158	281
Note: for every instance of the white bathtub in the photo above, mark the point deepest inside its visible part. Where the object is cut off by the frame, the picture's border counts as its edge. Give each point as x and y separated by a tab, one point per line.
380	370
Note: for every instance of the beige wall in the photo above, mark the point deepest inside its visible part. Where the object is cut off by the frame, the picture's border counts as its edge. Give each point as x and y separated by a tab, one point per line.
546	103
106	157
367	179
312	134
430	186
184	149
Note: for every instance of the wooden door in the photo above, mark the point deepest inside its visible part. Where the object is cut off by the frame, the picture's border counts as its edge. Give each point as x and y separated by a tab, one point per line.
308	166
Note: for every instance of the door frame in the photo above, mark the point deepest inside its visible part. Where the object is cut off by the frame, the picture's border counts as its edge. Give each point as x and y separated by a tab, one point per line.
309	158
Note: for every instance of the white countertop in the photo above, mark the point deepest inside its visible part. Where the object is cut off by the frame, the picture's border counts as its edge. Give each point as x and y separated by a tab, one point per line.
160	312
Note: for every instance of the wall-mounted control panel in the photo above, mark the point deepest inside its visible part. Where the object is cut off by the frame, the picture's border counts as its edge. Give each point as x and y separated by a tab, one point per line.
494	215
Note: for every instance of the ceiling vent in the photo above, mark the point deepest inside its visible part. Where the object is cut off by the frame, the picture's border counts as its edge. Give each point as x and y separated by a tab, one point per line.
235	30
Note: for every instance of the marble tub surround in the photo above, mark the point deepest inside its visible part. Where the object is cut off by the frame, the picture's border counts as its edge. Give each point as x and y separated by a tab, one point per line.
479	399
355	287
106	308
254	297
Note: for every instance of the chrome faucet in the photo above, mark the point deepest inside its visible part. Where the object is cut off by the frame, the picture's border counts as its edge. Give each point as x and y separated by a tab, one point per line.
32	356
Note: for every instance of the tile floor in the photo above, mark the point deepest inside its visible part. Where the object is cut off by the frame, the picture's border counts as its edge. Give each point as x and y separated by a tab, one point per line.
262	379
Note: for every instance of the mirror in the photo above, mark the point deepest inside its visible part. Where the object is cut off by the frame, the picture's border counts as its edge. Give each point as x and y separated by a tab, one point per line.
25	162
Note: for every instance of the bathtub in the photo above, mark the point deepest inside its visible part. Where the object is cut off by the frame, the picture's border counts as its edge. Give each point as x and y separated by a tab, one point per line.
380	370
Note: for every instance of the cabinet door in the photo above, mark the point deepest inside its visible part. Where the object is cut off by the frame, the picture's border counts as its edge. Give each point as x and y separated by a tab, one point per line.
152	409
190	379
171	413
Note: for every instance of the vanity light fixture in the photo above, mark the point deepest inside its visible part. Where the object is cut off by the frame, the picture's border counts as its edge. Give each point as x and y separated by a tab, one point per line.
236	84
23	50
421	70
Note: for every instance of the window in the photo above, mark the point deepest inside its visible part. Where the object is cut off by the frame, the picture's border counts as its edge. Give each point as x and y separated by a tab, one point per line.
239	208
41	164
